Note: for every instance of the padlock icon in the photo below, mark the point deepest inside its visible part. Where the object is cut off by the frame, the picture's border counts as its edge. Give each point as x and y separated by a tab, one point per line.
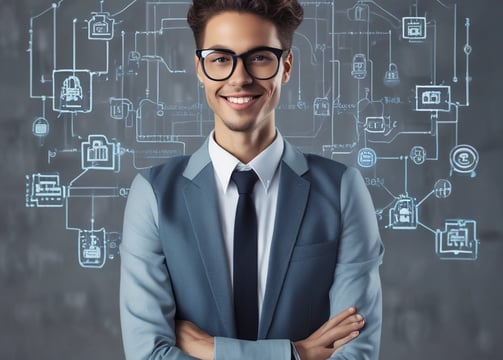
391	77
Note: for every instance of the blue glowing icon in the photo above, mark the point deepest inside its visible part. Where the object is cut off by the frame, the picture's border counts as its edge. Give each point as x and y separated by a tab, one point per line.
458	240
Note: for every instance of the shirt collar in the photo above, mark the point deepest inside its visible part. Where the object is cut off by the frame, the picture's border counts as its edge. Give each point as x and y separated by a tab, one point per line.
264	164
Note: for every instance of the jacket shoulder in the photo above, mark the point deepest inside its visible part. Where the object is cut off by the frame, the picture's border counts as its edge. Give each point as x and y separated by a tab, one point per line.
171	168
320	163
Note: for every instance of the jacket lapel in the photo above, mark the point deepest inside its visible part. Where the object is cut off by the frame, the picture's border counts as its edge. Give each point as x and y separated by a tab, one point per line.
292	200
202	205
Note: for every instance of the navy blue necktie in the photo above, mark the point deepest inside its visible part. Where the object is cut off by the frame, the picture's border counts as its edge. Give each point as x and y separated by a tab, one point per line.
245	258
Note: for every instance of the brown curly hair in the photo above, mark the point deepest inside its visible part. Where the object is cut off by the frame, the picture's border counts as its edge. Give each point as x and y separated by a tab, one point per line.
286	15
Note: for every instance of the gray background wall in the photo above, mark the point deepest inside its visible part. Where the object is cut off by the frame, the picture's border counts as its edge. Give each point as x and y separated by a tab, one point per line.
58	301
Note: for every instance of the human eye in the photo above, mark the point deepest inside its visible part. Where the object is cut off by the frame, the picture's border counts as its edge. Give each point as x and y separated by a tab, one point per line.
217	57
261	57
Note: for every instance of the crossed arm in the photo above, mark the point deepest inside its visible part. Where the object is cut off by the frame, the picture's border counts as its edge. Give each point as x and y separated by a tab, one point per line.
320	345
148	307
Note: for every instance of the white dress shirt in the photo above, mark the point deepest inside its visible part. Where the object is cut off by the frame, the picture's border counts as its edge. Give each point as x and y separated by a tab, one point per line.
265	196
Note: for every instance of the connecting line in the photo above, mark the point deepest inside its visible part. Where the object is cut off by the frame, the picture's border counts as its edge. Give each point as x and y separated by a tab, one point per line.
54	42
299	99
99	73
30	45
426	227
310	46
389	192
74	45
399	133
406	175
434	52
426	197
127	7
67	227
123	64
66	201
155	37
159	59
383	9
468	50
455	47
71	124
457	126
388	157
92	213
167	3
389	38
436	142
333	61
43	106
445	6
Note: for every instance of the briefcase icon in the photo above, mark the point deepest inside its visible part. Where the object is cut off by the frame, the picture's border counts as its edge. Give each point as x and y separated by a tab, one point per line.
97	152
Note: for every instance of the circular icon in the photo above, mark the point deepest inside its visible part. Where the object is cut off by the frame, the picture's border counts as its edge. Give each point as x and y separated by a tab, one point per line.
367	157
442	189
418	155
464	159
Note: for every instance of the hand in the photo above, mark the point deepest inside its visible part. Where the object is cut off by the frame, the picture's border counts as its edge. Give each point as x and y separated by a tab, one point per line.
194	341
331	336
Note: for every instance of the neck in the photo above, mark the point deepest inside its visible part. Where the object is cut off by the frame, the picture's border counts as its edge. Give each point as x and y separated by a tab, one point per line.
245	145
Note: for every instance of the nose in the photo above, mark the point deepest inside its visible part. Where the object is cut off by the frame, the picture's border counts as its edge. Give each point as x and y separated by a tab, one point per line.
240	76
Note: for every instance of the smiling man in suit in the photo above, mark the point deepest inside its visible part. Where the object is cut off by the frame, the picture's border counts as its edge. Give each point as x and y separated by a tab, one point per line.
285	269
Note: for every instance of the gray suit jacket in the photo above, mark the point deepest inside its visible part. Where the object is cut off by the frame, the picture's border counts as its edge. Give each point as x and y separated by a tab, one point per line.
325	255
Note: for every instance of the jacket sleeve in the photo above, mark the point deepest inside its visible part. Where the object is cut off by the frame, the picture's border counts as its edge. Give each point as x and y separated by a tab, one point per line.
356	281
147	306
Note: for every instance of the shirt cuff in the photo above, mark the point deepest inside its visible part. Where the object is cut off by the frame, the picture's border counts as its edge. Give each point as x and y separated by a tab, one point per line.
295	353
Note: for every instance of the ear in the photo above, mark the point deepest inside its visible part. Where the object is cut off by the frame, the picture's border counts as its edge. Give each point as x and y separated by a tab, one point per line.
199	70
287	67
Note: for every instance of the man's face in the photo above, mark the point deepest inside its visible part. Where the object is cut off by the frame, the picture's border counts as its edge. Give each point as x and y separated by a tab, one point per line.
242	103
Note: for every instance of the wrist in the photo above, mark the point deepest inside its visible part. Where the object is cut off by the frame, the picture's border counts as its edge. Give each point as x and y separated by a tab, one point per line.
295	353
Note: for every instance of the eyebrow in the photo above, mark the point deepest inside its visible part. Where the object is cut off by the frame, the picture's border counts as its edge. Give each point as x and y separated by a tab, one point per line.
222	47
217	47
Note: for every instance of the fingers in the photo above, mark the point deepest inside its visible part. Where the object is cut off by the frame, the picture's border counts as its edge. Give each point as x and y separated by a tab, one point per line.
350	328
338	344
337	319
332	335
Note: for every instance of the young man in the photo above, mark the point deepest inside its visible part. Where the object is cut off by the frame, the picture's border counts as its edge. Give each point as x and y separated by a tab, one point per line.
212	271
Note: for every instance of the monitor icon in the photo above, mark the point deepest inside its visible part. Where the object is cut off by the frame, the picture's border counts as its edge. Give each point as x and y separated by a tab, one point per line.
414	28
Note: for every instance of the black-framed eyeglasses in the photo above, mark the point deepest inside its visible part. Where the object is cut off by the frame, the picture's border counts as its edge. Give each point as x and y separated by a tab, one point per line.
261	63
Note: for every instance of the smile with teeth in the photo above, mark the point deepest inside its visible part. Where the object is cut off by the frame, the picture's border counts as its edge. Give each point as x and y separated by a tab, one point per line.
240	100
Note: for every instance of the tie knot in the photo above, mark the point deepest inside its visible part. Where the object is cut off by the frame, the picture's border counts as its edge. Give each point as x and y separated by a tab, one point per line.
244	180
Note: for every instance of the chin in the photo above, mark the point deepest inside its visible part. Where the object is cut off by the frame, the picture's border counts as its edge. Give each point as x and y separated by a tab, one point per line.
246	126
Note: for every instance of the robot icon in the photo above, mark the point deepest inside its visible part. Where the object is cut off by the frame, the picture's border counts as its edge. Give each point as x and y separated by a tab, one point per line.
418	155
